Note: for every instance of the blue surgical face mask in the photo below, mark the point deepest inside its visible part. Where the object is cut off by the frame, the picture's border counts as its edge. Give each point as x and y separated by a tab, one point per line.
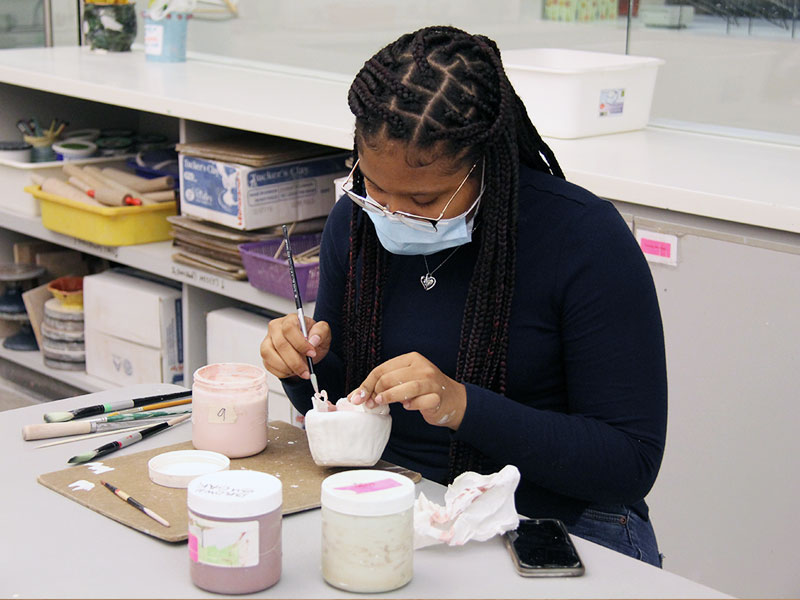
399	238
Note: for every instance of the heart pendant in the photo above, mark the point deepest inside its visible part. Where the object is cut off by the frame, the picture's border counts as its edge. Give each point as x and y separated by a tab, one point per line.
427	281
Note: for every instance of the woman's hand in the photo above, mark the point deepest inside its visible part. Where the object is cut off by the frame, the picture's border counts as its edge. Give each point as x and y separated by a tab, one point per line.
417	384
284	350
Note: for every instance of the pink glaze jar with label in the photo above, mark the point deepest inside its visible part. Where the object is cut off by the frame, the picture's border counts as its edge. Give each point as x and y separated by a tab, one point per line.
229	409
235	531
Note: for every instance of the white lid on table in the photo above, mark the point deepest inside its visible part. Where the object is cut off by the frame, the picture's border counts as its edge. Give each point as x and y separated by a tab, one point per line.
176	469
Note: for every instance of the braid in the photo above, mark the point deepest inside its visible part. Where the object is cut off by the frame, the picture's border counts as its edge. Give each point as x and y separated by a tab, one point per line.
441	88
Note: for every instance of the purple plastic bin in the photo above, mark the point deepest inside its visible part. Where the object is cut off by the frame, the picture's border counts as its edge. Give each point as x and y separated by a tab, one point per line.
272	275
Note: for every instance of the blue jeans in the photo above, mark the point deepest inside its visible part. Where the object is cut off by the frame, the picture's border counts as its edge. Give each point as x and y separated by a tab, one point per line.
623	531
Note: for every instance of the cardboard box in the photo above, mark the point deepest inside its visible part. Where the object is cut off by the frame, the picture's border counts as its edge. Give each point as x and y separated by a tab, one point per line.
245	197
134	330
123	362
235	335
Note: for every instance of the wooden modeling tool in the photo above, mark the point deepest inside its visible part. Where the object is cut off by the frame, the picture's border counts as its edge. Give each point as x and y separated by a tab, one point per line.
131	438
136	504
299	304
110	407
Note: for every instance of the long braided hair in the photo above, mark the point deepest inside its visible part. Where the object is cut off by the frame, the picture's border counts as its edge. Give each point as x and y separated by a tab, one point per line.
442	89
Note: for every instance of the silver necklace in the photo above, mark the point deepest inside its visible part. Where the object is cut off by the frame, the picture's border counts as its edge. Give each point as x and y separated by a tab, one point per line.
428	280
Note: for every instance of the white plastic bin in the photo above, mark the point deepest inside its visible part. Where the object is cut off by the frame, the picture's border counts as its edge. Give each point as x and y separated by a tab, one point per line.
573	93
16	175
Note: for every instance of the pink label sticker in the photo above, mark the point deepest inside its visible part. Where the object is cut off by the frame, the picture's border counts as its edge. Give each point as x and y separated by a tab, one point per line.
656	248
371	486
193	548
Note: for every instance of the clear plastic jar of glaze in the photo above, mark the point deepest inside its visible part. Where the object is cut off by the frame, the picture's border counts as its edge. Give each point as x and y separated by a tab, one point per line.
229	409
367	530
235	531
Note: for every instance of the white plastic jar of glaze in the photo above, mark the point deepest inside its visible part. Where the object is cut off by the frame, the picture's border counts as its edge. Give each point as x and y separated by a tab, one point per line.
367	530
229	409
235	531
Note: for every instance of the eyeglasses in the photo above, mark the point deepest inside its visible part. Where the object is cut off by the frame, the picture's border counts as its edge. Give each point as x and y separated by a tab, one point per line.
415	221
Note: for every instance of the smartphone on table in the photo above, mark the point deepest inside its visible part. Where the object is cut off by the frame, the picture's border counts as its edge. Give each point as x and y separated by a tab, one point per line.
543	548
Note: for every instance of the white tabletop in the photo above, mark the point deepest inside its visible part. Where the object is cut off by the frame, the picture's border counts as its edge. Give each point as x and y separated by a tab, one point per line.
743	181
54	547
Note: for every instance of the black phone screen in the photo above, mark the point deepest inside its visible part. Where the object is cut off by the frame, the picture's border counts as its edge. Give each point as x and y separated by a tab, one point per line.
544	544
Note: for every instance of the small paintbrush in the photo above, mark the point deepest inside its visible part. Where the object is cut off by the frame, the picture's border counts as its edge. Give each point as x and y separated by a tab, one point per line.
99	409
148	407
299	304
135	416
136	504
131	438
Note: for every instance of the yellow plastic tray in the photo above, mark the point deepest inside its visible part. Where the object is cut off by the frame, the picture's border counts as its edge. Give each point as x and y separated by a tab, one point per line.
105	225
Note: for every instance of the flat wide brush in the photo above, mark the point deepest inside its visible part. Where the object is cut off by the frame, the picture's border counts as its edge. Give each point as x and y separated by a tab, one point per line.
99	409
131	438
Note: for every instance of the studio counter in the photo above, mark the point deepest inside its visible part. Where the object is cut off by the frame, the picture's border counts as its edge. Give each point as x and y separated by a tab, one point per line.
54	547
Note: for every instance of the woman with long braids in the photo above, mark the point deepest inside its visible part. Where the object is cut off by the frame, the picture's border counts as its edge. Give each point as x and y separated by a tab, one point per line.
504	315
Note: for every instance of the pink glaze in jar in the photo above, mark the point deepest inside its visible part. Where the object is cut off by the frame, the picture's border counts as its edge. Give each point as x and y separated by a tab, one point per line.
235	531
229	409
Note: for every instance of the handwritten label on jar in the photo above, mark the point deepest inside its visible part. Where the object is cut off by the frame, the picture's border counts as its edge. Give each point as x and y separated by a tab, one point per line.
222	413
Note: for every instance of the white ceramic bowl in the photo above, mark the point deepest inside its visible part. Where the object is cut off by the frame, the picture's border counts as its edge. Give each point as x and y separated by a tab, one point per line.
73	148
347	438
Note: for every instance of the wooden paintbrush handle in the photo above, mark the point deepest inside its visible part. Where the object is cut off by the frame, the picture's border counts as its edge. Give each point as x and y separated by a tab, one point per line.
43	431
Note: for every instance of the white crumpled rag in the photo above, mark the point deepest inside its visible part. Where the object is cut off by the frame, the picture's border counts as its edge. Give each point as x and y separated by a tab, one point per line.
476	507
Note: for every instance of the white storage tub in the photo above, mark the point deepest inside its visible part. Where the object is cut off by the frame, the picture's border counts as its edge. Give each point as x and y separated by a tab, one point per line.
574	93
16	175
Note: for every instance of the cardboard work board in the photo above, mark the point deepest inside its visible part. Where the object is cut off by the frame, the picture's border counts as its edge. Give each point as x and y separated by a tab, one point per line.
287	457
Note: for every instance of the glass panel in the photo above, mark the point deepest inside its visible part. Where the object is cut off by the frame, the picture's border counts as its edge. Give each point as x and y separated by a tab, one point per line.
22	23
339	35
732	66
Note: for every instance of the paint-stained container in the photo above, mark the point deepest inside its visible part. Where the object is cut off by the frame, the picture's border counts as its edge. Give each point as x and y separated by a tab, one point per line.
235	531
229	409
367	530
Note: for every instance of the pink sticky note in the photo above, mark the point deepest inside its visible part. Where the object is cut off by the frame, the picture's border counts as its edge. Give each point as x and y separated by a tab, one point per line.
371	486
656	248
193	548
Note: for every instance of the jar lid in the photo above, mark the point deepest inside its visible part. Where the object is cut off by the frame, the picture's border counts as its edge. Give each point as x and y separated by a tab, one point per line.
367	492
176	469
230	376
114	143
14	146
235	494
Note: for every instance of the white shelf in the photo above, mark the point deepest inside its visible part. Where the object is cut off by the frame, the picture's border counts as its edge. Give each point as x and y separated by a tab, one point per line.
34	362
737	180
153	258
287	102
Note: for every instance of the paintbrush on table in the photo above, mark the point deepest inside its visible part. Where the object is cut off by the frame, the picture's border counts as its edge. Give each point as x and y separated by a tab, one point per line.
131	438
99	409
299	304
43	431
145	408
136	504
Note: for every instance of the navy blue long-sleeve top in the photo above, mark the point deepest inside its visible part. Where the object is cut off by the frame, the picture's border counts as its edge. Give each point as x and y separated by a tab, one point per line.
585	409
